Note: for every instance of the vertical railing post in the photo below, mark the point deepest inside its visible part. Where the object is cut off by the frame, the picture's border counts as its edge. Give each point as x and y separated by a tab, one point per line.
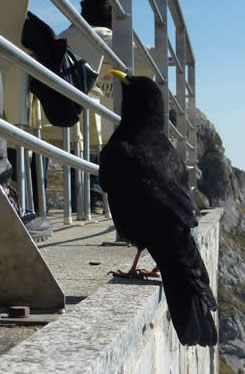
1	96
20	164
161	56
23	119
192	119
42	204
180	88
122	44
78	183
67	180
86	150
29	190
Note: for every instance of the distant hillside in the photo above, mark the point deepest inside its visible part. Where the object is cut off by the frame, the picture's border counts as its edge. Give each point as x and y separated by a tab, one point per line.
224	186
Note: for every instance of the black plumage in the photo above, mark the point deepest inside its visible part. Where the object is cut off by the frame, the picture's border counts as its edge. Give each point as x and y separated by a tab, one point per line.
152	206
97	12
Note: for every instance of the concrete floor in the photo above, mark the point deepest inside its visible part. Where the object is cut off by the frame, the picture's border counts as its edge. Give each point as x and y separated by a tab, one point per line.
77	258
79	263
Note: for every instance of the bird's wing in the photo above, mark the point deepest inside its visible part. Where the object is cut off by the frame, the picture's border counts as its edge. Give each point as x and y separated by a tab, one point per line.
165	181
161	180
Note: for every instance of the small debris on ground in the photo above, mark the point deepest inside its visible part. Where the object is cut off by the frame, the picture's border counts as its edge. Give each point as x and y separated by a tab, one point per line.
94	263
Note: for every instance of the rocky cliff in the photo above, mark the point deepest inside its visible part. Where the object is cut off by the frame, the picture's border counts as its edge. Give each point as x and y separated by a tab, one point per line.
224	186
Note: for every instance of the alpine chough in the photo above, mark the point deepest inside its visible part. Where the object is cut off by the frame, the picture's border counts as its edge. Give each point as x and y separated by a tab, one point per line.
152	206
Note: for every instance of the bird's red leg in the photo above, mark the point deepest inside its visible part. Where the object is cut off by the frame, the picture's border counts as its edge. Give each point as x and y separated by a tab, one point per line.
135	262
137	273
132	273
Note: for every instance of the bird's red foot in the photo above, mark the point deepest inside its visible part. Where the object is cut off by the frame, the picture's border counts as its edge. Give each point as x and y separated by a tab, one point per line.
138	273
154	273
128	275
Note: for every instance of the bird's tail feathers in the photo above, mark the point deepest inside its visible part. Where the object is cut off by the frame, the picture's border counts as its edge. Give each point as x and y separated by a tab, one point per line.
206	294
190	314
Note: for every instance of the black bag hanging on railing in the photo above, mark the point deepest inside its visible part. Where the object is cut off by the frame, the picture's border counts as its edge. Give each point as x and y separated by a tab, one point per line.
58	57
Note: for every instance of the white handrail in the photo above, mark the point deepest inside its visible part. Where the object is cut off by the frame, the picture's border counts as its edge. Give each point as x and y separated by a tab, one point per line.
19	136
40	72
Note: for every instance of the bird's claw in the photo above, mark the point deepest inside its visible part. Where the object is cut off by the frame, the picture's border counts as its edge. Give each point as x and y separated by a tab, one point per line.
129	275
138	274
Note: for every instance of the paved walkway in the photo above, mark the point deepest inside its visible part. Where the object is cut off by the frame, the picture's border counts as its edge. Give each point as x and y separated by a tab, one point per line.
77	258
79	263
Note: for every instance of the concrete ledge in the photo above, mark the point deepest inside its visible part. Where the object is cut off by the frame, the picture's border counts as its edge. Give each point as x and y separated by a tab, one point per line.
123	328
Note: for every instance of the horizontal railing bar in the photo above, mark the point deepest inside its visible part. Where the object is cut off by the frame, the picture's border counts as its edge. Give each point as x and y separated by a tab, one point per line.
118	8
189	89
190	124
175	58
173	127
31	142
189	167
77	20
176	103
176	130
178	18
149	58
171	62
38	71
156	12
189	145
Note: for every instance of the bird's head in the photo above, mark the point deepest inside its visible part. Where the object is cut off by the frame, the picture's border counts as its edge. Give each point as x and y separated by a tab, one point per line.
140	96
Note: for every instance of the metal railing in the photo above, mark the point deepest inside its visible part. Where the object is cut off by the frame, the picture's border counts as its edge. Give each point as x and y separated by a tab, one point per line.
181	57
121	56
34	144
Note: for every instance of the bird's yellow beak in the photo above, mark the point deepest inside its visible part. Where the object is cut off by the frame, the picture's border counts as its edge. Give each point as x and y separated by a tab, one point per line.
120	75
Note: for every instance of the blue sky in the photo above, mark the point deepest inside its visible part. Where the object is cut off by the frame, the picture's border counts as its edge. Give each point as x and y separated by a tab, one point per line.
216	30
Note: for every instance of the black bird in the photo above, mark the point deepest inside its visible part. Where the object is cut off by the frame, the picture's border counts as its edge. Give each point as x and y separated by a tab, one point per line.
152	206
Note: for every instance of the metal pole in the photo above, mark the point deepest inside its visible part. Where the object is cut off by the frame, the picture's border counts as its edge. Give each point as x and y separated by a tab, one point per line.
42	207
29	190
174	57
149	59
179	21
67	180
38	71
1	96
82	188
119	12
20	164
86	150
161	56
31	142
123	45
180	89
157	12
79	185
42	204
42	210
192	118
